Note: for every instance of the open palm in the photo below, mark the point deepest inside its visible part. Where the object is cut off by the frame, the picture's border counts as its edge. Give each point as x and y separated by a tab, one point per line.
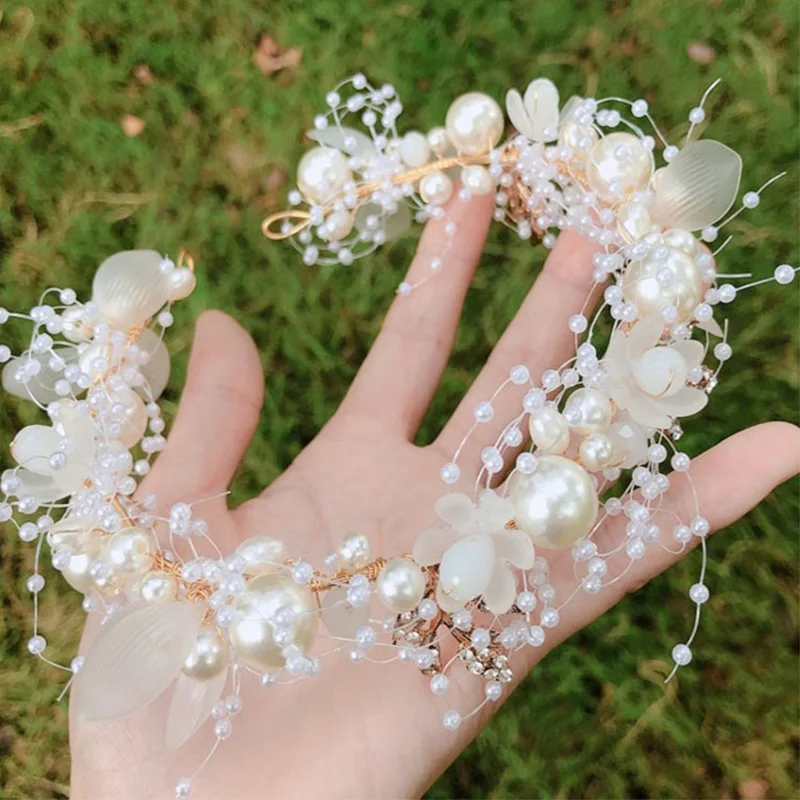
367	730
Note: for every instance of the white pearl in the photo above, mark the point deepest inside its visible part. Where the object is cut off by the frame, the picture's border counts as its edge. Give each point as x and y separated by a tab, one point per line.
400	585
549	430
634	221
180	283
661	372
682	240
251	633
474	123
415	150
76	573
338	225
618	160
354	552
477	179
73	326
436	188
261	554
593	410
685	291
596	452
579	138
208	656
466	568
438	141
130	551
321	173
156	588
556	504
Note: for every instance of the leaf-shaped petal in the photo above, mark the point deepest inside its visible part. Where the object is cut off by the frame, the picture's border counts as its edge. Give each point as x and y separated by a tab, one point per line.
191	706
644	335
570	109
514	547
129	287
347	140
501	592
541	104
691	350
156	370
42	487
432	544
647	412
33	446
134	658
515	108
495	511
684	403
698	186
458	510
711	326
40	387
339	617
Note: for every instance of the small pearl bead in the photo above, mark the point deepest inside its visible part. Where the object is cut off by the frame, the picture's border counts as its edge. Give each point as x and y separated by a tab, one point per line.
451	720
699	593
519	374
37	645
681	655
723	351
697	115
700	526
639	108
183	788
578	323
439	684
450	473
494	690
784	274
751	200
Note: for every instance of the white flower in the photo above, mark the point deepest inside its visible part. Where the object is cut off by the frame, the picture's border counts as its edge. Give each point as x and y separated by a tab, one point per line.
649	380
535	116
474	552
54	461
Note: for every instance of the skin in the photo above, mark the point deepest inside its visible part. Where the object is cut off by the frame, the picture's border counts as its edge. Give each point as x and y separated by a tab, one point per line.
366	730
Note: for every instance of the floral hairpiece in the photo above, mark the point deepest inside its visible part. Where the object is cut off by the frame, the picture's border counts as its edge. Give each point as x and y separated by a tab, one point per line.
479	576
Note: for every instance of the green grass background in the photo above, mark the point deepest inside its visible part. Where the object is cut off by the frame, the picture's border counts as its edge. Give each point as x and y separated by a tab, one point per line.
595	719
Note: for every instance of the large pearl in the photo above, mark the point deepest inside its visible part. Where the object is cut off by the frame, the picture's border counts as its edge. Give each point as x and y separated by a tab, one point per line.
594	409
400	585
208	656
415	150
181	283
579	138
549	430
596	452
252	633
76	573
685	290
682	240
261	554
436	188
474	123
321	173
130	551
157	588
354	552
618	165
477	179
634	221
466	568
661	372
556	504
338	224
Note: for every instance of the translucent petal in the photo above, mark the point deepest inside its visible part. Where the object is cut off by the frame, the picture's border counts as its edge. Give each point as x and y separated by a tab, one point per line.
686	402
129	287
134	658
78	427
698	186
570	108
191	706
501	591
363	146
447	603
432	544
711	326
515	108
514	547
644	335
541	103
467	567
43	488
647	412
39	388
691	350
495	511
33	446
340	618
393	226
156	370
459	510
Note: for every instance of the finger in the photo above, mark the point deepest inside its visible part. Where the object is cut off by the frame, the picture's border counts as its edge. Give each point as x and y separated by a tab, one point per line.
217	417
538	338
401	372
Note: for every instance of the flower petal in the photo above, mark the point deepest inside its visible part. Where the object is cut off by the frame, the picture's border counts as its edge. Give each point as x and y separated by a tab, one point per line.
501	591
33	446
459	511
156	370
644	335
541	104
432	544
711	326
691	350
570	109
134	658
515	109
40	387
648	412
447	603
494	512
698	186
686	402
191	706
42	487
514	547
358	143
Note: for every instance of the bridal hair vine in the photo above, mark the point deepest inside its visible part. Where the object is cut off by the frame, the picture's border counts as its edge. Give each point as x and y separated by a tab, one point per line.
578	471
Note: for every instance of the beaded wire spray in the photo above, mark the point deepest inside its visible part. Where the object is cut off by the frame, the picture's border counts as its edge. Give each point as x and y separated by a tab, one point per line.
196	625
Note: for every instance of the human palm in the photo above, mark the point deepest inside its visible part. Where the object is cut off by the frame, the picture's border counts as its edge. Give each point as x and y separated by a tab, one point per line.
369	730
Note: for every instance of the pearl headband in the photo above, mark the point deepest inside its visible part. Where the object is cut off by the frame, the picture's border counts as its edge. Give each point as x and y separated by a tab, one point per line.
479	577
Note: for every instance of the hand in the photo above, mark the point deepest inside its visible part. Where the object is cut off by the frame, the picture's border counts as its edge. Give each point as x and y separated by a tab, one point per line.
366	730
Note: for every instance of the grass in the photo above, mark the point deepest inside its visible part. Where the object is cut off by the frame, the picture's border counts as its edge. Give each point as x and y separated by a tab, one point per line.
218	142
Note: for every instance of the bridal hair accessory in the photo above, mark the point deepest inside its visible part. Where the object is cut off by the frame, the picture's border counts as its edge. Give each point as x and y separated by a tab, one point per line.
578	470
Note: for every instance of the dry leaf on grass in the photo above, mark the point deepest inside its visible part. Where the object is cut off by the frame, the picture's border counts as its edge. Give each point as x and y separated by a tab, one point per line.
700	52
270	58
132	126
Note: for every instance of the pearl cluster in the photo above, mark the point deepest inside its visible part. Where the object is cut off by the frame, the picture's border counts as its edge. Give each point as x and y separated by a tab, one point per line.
579	472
